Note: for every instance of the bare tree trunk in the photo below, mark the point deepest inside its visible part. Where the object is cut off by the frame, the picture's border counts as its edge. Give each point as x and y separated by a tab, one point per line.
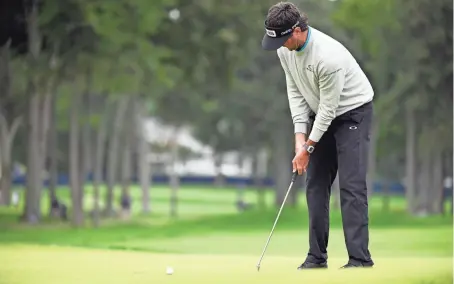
126	168
410	160
372	158
53	150
99	161
74	163
128	134
425	183
44	129
283	165
112	168
386	197
174	178
257	179
39	115
7	134
142	159
448	181
85	146
261	161
219	179
32	212
437	182
6	140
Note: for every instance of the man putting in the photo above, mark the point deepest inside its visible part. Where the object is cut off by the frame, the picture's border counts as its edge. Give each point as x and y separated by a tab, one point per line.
330	100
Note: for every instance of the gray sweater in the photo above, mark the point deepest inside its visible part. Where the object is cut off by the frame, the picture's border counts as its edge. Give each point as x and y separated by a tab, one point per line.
323	78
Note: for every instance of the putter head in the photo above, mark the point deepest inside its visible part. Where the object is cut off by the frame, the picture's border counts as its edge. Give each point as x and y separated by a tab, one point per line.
258	267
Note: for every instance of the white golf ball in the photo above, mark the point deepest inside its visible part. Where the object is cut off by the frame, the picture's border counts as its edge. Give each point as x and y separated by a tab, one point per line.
169	270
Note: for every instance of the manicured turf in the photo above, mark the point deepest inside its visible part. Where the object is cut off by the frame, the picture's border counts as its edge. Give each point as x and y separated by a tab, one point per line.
33	264
211	243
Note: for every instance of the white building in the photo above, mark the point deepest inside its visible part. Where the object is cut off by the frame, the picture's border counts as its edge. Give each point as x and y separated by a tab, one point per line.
159	133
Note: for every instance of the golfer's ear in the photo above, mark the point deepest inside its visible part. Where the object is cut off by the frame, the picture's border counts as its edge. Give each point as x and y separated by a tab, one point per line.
297	30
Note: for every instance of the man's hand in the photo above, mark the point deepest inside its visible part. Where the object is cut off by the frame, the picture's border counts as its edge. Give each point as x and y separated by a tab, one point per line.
301	160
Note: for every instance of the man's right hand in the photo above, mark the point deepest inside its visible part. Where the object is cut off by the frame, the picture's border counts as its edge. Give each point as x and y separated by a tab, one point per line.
300	152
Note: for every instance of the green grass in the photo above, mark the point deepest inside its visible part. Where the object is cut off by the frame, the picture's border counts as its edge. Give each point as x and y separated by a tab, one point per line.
69	265
193	200
211	243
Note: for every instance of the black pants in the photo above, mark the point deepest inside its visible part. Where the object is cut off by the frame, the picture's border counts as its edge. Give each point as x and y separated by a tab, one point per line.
344	148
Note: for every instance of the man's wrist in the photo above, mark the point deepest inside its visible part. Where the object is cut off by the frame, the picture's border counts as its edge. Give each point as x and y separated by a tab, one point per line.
308	145
300	140
310	142
309	148
300	137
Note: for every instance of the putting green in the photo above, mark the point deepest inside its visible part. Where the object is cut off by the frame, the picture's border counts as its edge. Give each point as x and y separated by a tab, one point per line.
24	264
385	243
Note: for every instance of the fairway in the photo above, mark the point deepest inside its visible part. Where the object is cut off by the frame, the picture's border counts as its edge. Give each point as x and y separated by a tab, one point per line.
55	265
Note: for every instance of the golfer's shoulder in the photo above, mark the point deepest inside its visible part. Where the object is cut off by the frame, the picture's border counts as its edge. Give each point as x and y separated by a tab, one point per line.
282	52
329	53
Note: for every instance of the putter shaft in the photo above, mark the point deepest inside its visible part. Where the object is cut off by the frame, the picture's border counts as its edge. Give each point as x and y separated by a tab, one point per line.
277	218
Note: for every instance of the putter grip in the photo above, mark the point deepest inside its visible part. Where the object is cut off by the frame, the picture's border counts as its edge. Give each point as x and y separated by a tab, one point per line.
294	176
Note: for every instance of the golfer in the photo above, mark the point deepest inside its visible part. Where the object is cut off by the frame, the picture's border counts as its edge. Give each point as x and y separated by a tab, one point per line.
330	101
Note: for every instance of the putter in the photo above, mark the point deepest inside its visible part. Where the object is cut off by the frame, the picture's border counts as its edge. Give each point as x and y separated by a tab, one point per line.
294	175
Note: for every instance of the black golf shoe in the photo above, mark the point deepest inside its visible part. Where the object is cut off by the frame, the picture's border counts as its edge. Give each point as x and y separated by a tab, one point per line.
352	265
310	265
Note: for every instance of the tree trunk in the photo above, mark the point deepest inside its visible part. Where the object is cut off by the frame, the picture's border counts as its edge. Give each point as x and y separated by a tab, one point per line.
6	140
85	146
53	146
99	161
74	163
372	158
7	134
386	197
219	178
142	159
126	169
258	178
447	181
32	213
410	160
112	167
437	182
262	172
174	178
283	164
127	134
425	183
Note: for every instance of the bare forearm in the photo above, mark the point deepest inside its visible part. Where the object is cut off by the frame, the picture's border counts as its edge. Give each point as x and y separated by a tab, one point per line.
300	139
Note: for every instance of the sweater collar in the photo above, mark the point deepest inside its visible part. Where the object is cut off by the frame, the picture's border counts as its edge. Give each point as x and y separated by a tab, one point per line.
307	40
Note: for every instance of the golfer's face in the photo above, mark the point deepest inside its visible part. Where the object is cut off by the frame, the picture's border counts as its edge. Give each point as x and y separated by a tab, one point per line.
291	43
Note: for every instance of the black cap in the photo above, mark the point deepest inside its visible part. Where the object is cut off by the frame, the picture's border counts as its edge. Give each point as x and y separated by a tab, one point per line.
275	37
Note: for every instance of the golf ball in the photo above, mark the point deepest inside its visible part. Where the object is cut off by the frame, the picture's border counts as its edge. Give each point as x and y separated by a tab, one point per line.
169	270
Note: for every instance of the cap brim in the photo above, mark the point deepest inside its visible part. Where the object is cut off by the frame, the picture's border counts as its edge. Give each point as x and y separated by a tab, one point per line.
272	43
